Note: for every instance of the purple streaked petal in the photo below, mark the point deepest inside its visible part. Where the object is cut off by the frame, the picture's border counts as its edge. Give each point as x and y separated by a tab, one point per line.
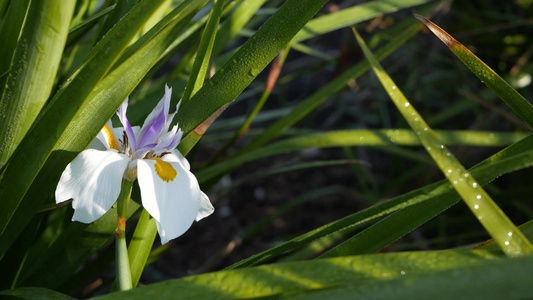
121	113
155	123
170	140
171	117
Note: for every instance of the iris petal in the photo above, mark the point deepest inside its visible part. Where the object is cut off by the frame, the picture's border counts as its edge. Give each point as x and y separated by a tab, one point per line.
206	208
155	123
173	204
93	180
121	113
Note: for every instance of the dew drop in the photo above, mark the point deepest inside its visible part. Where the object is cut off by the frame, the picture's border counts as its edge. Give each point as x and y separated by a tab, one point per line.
448	154
442	146
393	87
402	272
509	234
466	175
455	182
479	217
506	243
478	197
474	185
406	104
450	171
476	206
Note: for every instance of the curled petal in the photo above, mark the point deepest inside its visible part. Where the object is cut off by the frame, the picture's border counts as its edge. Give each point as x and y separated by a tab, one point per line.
156	122
206	208
184	162
121	113
108	138
169	140
93	180
170	193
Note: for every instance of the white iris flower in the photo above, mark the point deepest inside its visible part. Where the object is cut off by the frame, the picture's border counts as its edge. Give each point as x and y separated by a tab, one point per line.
169	191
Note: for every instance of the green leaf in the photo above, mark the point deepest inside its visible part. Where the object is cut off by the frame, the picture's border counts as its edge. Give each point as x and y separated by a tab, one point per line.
309	104
384	137
291	279
52	261
500	279
203	55
10	29
353	15
500	87
43	137
235	22
248	62
513	158
116	86
497	224
29	293
140	245
33	69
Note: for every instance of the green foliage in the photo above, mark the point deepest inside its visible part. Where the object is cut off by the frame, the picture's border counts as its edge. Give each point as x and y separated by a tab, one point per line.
265	147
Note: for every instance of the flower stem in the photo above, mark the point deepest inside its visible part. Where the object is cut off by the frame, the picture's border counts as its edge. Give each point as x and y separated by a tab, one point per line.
121	251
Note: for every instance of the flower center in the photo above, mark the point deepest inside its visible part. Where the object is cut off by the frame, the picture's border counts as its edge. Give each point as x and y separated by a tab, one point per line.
111	140
164	170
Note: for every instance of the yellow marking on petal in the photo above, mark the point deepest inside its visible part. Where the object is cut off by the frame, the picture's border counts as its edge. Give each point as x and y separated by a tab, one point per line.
164	170
132	174
111	140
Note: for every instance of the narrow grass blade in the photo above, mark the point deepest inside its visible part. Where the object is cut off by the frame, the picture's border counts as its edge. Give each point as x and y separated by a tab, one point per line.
309	104
510	239
235	22
500	87
104	100
512	158
353	15
248	62
500	279
140	245
33	70
10	29
384	137
203	55
53	261
359	273
40	141
29	293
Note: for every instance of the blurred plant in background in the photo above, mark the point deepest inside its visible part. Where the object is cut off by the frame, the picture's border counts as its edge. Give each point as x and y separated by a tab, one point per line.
309	165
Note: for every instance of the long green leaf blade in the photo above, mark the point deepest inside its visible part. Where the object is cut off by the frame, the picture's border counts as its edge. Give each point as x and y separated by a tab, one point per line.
41	140
510	239
353	15
248	62
384	137
513	158
323	274
201	62
500	87
33	70
309	104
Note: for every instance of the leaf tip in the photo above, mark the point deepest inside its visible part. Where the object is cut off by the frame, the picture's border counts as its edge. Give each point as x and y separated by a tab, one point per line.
439	32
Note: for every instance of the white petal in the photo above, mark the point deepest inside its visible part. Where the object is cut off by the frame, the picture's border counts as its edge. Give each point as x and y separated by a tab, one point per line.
106	138
173	204
206	208
184	162
93	180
